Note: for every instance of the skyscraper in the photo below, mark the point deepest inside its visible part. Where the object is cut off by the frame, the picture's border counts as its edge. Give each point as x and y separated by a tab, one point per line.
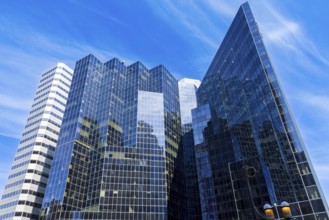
24	191
118	147
187	101
248	149
127	150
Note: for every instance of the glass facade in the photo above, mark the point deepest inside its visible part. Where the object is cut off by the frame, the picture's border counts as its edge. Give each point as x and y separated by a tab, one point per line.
187	101
248	149
118	147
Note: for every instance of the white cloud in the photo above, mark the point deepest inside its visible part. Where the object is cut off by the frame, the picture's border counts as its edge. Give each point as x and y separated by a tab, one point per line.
223	8
25	59
12	122
319	102
188	18
314	123
287	34
13	112
10	102
97	12
284	35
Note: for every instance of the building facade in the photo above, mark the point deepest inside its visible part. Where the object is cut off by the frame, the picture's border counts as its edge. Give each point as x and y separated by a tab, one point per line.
129	147
118	148
187	101
248	149
25	188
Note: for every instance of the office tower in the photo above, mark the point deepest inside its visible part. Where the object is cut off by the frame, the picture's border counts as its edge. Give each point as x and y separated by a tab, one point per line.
118	145
248	148
24	191
187	101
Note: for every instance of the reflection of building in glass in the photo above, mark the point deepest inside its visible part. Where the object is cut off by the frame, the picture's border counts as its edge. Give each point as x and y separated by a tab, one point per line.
118	146
242	124
127	150
187	101
24	191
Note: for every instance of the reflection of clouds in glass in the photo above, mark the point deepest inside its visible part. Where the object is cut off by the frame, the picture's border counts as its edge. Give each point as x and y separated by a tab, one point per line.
150	103
187	98
150	112
201	116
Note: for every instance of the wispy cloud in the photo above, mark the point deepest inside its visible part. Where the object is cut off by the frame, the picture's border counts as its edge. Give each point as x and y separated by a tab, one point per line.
288	34
280	30
12	122
319	102
25	52
190	19
302	64
314	123
30	55
313	109
223	8
97	12
284	35
10	102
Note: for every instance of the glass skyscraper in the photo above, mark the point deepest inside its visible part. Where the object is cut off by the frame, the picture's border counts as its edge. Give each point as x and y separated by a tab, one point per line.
118	147
25	188
248	149
187	101
135	143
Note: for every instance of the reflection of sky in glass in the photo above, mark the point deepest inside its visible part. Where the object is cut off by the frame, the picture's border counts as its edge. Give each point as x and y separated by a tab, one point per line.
201	116
187	98
151	111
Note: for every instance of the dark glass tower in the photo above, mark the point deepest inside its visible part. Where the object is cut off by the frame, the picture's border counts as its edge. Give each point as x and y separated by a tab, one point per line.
248	148
118	145
187	101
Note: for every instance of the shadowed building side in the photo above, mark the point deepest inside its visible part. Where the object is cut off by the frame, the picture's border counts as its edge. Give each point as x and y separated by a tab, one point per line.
242	124
187	100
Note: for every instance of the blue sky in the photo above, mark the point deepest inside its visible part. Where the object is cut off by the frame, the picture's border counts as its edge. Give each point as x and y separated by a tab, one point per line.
182	35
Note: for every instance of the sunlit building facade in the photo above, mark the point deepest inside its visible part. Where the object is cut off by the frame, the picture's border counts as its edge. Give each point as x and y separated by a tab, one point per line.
118	147
248	149
25	188
135	143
